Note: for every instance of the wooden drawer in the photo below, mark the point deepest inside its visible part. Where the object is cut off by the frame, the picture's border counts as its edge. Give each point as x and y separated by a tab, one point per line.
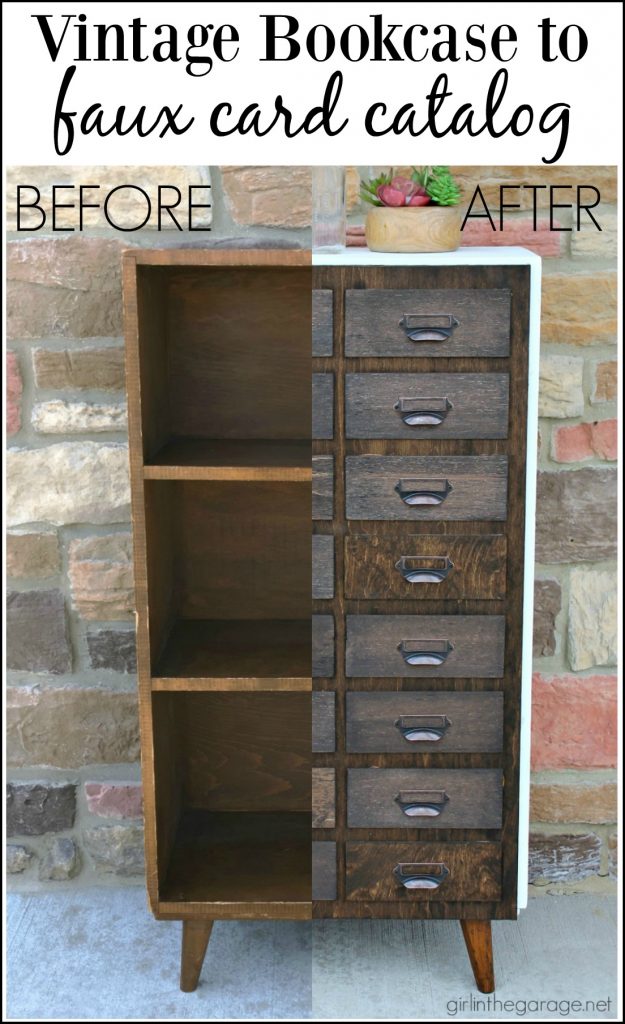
419	488
322	322
436	646
323	405
323	798
425	405
324	871
322	486
323	732
427	322
424	798
425	566
411	872
443	722
322	566
322	646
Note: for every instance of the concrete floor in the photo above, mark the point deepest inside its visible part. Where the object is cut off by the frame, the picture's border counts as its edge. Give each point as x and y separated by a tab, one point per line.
98	954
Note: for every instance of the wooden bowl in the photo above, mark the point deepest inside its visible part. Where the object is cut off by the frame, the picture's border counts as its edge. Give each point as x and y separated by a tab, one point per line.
413	228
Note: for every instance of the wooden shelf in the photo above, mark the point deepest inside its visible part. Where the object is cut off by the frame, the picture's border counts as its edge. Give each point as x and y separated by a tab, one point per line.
191	459
241	654
240	858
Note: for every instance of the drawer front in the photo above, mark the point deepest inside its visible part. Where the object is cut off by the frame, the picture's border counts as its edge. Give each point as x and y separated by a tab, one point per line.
323	714
324	871
322	486
322	566
427	322
443	722
322	646
424	798
426	405
413	872
323	405
435	646
322	322
323	798
421	488
426	566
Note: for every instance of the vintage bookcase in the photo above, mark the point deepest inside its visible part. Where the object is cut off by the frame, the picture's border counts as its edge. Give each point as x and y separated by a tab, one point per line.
219	399
420	400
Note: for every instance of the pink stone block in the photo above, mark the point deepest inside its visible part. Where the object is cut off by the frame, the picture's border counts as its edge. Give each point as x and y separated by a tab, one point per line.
574	721
539	239
14	394
114	800
605	439
585	441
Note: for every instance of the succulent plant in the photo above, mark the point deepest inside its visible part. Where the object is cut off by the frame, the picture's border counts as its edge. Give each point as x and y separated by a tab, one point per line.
439	183
425	185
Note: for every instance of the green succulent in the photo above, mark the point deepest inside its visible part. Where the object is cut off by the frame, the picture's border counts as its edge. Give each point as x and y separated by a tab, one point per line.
439	183
369	189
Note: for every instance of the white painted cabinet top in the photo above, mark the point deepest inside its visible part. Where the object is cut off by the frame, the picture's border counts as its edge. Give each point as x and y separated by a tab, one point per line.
465	256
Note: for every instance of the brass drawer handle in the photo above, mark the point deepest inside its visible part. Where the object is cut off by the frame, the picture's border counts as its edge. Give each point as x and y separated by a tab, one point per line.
424	568
421	876
422	728
423	412
422	803
423	492
428	326
424	652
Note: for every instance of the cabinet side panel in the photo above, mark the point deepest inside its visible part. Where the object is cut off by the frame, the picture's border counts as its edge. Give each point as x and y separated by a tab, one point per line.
152	345
132	306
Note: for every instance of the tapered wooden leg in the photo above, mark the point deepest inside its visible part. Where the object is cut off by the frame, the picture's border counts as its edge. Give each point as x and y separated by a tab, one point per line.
479	943
195	936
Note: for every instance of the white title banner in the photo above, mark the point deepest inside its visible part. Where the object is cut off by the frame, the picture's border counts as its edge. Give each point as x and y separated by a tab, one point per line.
301	83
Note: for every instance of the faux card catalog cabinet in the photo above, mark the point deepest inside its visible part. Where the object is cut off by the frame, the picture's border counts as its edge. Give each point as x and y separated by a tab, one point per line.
219	394
424	486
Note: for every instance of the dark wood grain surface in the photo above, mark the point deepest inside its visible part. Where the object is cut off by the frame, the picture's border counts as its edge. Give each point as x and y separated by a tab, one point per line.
477	640
224	460
474	871
323	646
242	550
322	487
322	566
479	404
479	486
322	405
372	318
245	751
324	871
323	797
238	352
323	735
252	858
478	566
322	322
224	654
475	721
474	797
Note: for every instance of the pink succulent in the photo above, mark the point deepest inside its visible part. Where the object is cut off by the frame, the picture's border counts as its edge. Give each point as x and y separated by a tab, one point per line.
405	185
402	192
390	196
